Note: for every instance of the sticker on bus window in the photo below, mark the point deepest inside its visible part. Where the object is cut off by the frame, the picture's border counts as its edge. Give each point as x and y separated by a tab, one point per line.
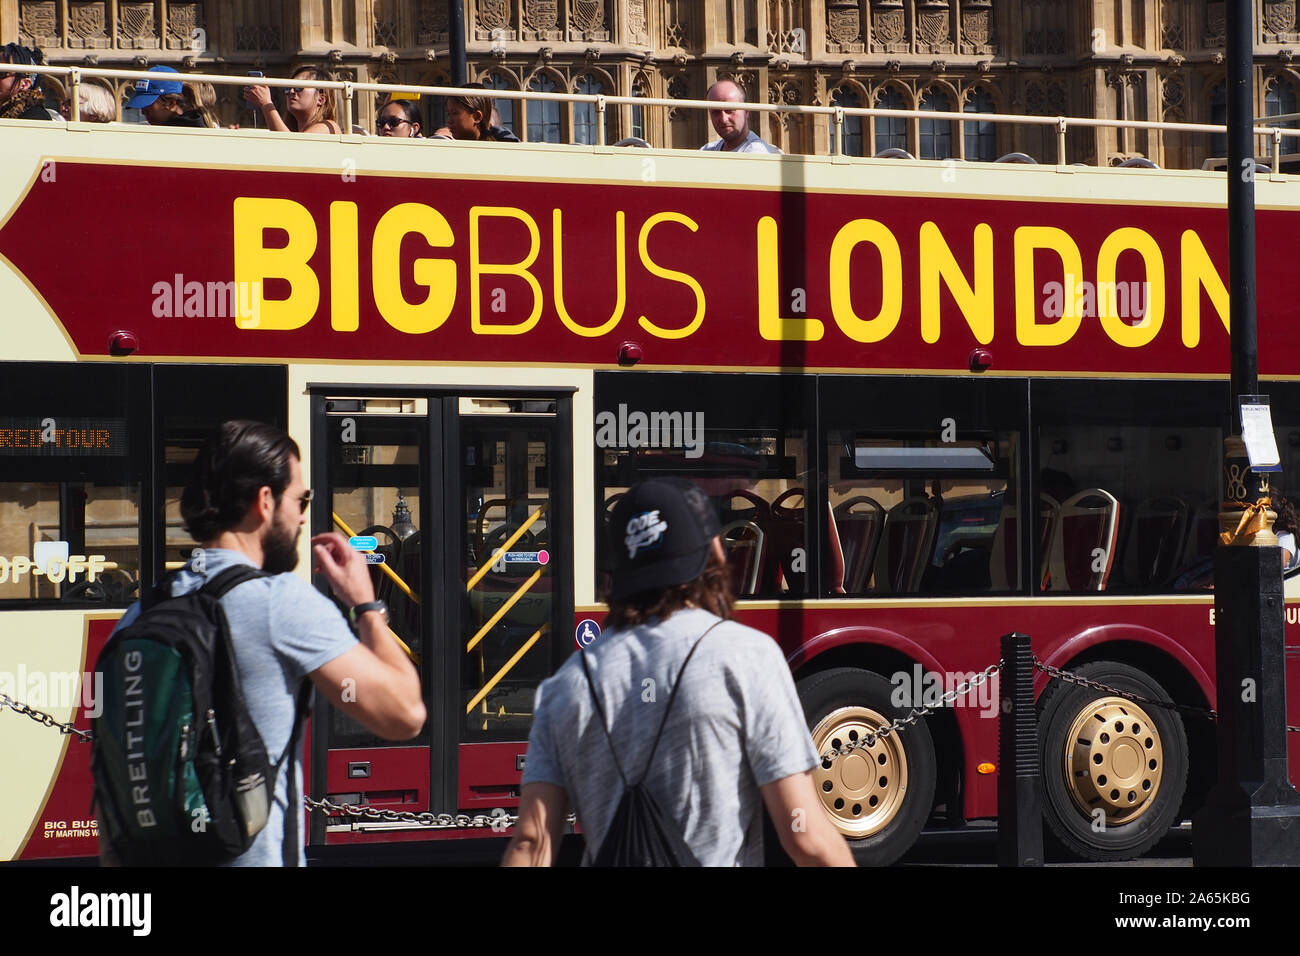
527	557
43	551
374	558
586	633
364	542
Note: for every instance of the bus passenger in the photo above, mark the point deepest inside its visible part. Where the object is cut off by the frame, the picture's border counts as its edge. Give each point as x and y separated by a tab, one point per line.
733	125
96	104
442	132
469	116
399	118
310	110
1285	527
21	94
735	739
167	102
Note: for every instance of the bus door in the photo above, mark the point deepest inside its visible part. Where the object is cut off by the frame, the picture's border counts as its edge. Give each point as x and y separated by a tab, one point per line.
462	504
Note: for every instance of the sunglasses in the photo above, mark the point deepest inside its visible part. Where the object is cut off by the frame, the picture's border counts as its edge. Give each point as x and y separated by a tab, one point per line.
304	501
294	90
390	122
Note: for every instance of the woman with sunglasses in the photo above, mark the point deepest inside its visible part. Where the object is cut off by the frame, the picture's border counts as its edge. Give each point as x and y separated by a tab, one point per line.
310	110
398	118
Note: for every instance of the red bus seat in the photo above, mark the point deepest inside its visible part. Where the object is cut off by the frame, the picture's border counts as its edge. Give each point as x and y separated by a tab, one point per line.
1154	546
858	522
1087	521
907	542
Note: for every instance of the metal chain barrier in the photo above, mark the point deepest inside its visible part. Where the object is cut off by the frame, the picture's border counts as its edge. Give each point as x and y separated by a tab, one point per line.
869	740
1069	678
85	736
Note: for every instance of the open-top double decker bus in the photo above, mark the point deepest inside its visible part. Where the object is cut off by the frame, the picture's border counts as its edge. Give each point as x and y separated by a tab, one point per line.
933	403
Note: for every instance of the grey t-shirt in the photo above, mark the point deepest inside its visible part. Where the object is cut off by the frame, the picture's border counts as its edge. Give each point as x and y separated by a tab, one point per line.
736	725
282	629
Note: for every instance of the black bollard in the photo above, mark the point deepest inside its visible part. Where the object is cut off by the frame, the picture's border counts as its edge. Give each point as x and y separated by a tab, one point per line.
1020	800
1252	816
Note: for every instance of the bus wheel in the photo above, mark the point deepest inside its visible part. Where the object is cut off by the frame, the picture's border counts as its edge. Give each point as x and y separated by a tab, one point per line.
880	796
1114	771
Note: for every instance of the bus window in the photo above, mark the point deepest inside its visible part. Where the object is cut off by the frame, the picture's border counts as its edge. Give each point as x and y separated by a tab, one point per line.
70	451
1134	506
922	515
740	438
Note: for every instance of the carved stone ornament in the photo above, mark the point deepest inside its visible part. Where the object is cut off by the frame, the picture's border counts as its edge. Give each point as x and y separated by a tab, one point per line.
889	30
933	28
184	26
587	20
843	26
494	15
939	66
86	25
385	31
431	24
1285	56
976	29
894	66
38	24
541	20
1171	25
1216	24
1279	20
1175	60
1045	98
636	23
136	26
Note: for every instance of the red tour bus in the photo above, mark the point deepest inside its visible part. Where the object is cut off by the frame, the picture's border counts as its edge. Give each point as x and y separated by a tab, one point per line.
932	405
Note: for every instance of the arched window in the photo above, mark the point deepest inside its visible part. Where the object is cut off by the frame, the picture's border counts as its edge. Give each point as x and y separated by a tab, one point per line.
936	135
505	107
981	135
1219	117
891	131
543	115
853	133
585	116
1281	99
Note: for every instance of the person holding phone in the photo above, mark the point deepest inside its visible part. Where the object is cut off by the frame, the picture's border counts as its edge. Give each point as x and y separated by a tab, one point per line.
310	110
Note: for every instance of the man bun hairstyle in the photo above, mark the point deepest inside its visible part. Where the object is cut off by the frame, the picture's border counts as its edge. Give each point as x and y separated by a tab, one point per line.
237	460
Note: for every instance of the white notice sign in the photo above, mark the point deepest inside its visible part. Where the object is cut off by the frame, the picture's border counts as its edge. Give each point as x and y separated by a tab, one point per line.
1257	433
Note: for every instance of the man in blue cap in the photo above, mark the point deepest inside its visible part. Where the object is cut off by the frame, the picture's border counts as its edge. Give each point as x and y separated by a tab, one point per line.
21	94
162	101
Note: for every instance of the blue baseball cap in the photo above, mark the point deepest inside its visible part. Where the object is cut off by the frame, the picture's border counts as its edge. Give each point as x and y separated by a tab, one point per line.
146	91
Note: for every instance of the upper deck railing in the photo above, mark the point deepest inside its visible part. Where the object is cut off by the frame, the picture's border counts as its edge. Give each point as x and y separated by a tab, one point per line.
348	91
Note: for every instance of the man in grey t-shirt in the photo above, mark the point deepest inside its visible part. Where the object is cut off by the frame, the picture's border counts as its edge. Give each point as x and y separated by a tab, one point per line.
735	738
246	504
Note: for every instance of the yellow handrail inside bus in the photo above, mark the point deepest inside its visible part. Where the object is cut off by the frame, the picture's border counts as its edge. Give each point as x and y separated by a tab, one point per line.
501	611
506	668
505	546
393	575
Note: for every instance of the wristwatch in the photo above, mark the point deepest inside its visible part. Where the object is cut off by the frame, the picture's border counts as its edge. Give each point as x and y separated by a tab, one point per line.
355	612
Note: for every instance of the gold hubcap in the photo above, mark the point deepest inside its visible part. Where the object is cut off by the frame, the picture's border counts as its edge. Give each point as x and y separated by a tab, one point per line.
863	791
1113	760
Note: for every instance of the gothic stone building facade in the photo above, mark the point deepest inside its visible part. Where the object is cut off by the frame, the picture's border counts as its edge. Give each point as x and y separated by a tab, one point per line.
1124	59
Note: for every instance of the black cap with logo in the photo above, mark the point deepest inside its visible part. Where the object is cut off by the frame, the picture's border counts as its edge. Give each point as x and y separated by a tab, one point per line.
662	532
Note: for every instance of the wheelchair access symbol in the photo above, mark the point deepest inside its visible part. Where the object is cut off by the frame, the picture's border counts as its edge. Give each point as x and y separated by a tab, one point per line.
586	633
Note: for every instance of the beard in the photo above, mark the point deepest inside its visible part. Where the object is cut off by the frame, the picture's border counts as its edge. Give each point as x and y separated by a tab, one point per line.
280	549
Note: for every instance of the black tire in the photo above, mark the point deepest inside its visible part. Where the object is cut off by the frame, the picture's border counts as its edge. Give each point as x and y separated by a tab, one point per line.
822	695
1123	832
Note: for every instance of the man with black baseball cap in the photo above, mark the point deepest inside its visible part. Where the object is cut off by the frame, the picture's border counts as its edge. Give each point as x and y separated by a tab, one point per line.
735	732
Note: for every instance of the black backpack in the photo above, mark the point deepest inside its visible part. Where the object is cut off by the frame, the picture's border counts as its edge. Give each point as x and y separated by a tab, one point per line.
641	834
181	773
